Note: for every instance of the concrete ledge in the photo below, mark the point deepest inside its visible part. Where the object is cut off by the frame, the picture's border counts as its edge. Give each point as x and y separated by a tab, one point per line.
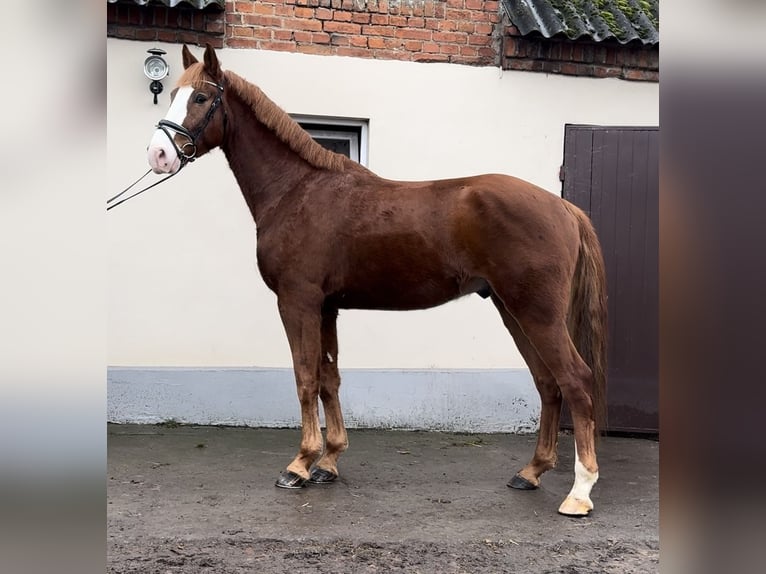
503	400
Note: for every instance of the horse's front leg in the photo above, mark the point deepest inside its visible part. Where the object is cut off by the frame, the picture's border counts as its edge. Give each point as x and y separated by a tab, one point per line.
301	317
326	470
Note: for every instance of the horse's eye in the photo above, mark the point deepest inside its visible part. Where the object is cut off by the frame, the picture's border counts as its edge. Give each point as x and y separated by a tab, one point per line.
200	98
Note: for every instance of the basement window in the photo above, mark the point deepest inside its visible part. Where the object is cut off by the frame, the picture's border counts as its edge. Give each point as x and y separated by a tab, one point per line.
341	135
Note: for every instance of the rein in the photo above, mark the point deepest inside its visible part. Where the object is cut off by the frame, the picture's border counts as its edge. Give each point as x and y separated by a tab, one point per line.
185	158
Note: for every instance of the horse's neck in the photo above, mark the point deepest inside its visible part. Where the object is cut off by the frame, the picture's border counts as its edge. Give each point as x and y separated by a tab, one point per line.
264	166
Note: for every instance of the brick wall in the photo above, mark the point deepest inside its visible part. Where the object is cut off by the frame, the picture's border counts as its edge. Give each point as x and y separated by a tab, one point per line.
579	58
459	31
182	24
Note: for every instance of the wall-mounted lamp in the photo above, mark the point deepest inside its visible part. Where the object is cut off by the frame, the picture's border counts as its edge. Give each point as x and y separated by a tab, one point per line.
156	68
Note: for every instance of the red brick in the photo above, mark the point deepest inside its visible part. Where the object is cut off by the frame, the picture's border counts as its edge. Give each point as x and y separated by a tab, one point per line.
244	7
258	20
414	34
361	18
449	49
304	12
400	21
242	32
241	43
379	31
322	50
216	27
170	36
487	52
379	19
283	34
339	40
467	27
262	33
475	4
320	37
447	25
516	64
342	16
393	55
233	18
343	27
278	46
302	36
358	41
284	11
479	40
569	68
432	23
376	42
465	60
455	3
633	74
455	15
454	37
428	9
413	45
468	51
491	5
303	24
483	28
430	47
353	52
430	58
263	9
146	34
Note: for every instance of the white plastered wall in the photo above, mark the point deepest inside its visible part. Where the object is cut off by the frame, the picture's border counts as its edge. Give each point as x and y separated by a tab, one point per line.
184	289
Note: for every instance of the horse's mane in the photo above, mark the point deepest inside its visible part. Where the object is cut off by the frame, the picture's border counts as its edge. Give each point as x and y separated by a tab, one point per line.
274	118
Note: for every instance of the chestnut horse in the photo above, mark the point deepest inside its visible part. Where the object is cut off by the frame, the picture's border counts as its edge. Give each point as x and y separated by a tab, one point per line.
333	235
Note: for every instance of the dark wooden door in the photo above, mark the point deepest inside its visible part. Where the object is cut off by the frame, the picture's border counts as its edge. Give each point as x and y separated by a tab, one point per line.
613	174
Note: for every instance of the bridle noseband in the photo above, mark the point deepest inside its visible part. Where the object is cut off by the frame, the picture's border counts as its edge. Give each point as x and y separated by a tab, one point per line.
192	136
165	126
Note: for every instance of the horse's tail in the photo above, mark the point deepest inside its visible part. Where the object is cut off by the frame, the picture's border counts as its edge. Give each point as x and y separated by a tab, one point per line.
587	320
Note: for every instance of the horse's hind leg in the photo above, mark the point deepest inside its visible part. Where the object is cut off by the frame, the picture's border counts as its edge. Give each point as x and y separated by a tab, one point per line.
575	380
326	469
547	438
541	315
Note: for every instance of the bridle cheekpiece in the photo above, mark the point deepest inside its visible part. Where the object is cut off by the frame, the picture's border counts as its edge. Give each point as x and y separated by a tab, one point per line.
191	145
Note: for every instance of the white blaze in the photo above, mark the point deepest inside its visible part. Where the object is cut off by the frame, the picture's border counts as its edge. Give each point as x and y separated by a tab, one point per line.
161	153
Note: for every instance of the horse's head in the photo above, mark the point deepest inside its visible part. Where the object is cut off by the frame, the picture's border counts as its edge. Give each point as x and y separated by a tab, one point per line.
196	119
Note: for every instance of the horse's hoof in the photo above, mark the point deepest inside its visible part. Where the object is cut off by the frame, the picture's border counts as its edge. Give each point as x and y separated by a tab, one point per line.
575	507
288	479
322	476
521	483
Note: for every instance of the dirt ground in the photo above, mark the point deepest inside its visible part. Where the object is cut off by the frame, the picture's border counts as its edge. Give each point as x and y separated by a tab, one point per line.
202	499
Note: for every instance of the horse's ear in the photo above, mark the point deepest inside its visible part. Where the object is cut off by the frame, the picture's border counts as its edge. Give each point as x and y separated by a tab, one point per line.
188	57
212	66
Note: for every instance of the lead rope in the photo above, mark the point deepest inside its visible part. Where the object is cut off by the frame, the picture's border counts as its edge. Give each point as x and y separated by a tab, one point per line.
110	200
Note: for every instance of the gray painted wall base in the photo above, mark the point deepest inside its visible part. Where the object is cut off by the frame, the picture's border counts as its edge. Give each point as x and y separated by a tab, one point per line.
503	400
